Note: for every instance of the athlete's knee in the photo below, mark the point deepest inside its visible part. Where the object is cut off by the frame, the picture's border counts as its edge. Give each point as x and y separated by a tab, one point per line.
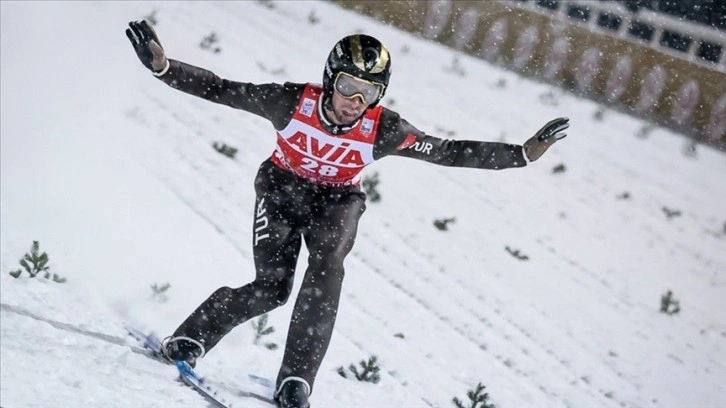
329	262
277	291
222	297
260	292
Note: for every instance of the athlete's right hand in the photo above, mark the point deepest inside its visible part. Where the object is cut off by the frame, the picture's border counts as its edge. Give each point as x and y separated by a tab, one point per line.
147	45
553	131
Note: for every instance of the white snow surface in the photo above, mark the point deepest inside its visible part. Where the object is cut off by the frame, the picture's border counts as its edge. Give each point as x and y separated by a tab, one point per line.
114	173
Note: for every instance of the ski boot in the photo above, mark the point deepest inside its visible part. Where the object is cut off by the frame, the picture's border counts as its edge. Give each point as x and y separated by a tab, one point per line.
182	349
293	393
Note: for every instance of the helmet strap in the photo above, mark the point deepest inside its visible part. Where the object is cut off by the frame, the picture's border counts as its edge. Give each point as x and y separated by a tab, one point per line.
328	100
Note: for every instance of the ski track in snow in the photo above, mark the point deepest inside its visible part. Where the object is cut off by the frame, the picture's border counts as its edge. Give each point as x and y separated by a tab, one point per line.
576	325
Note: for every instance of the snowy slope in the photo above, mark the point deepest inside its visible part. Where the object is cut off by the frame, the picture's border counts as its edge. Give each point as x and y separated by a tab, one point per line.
114	173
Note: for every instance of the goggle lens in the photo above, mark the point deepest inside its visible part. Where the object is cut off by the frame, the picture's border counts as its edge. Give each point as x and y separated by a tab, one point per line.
349	87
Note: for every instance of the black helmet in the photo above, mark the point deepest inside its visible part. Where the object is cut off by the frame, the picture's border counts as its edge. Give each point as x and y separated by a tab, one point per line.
359	55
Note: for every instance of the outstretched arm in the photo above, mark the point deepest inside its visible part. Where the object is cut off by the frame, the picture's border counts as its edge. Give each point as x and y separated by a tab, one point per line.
275	102
398	137
464	153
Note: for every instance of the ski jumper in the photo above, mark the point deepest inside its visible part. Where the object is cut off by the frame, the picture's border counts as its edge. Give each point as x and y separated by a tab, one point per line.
309	190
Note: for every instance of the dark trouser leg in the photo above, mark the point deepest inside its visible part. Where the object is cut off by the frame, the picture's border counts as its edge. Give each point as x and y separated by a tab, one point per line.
329	239
276	248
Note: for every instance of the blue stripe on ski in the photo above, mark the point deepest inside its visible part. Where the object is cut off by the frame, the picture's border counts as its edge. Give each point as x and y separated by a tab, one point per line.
193	380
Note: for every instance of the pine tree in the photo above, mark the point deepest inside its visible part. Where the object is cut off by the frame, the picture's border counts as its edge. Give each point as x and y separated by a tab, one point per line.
370	371
668	304
477	398
34	263
261	329
369	185
443	223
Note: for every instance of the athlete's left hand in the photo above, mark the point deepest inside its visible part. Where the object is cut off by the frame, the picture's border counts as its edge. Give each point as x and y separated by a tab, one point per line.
545	137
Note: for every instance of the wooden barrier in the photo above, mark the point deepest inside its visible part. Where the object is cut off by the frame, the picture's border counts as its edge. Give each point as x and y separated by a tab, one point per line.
623	73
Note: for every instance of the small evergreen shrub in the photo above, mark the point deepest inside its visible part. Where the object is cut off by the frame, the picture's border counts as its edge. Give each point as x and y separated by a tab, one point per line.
645	131
443	223
477	399
560	168
313	18
445	132
261	330
209	43
35	263
369	185
222	148
276	71
370	371
456	67
690	149
671	212
623	196
549	98
668	304
266	3
160	291
399	335
516	253
599	114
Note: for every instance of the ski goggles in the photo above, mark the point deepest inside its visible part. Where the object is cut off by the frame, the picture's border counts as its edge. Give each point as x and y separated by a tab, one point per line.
350	87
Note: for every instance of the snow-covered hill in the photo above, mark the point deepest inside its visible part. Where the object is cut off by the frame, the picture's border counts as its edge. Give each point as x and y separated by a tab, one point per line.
114	174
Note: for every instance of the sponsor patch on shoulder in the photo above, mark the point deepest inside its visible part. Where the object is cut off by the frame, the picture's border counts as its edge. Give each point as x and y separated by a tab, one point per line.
410	140
366	126
308	107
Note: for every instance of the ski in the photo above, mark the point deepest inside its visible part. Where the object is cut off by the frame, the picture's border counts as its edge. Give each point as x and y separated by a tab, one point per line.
149	341
209	391
194	381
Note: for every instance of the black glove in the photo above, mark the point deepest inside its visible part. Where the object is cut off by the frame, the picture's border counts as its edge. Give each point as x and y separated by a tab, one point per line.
545	137
147	45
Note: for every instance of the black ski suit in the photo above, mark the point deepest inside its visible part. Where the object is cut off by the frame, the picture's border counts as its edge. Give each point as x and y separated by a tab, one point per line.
290	208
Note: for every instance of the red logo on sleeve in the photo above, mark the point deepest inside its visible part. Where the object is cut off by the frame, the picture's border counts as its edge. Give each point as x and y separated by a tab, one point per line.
410	140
